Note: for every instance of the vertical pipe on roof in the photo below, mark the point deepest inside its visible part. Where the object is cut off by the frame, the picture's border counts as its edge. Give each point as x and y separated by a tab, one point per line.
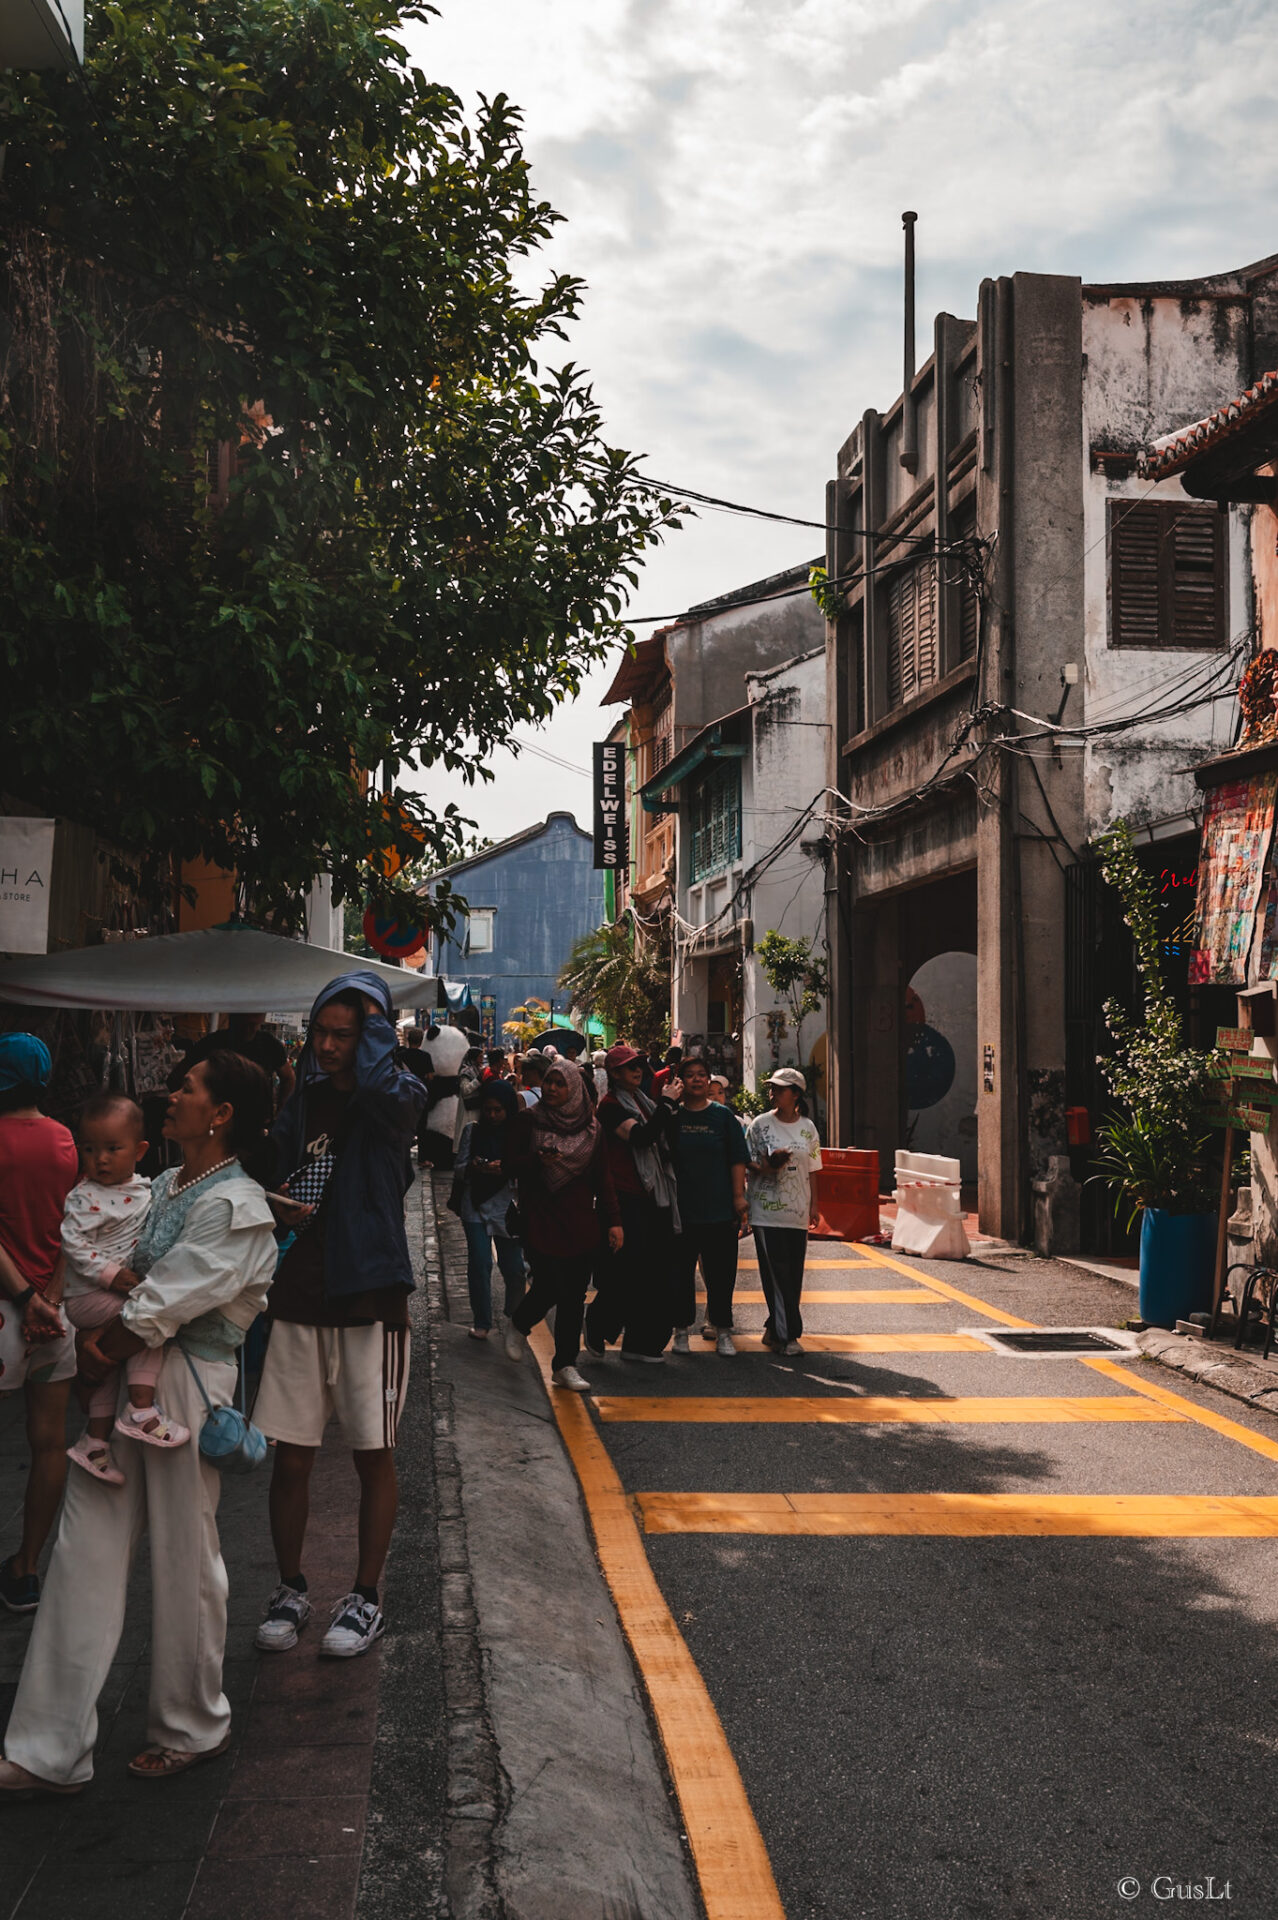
909	418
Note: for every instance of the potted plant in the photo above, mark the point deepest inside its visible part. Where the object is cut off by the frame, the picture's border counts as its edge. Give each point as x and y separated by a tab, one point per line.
1156	1149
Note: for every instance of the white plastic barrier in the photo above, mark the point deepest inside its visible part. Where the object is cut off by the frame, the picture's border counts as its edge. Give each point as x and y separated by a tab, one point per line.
929	1210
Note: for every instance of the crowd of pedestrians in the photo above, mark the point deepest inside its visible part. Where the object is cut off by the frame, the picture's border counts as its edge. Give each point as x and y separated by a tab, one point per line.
617	1172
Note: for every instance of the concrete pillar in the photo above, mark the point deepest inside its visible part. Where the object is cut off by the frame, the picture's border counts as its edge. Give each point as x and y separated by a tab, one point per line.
878	1064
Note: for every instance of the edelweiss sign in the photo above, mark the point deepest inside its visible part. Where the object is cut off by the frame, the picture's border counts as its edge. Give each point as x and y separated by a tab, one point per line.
610	800
26	857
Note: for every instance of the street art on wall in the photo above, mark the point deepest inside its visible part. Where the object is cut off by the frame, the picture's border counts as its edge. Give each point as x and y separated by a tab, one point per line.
1236	833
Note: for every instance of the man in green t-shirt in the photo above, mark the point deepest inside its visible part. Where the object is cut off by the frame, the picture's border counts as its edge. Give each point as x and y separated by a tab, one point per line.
710	1159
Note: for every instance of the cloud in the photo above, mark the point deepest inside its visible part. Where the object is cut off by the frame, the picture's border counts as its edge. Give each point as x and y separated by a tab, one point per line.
733	173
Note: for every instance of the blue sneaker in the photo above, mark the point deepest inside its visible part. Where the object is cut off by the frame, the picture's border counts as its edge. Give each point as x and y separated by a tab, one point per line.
19	1592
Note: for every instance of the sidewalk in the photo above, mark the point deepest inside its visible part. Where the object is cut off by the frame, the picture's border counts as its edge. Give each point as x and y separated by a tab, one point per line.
294	1818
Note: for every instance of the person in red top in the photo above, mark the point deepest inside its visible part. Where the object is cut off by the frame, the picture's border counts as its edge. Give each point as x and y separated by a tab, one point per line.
555	1151
38	1168
632	1301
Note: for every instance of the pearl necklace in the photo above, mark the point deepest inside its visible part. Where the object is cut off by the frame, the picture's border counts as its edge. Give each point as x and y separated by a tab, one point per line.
180	1186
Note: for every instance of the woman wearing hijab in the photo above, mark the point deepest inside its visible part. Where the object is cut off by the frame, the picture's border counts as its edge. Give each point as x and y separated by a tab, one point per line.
481	1199
631	1302
556	1153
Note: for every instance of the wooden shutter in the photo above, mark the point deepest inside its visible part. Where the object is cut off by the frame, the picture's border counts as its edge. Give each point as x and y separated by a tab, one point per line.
1196	539
1167	575
911	628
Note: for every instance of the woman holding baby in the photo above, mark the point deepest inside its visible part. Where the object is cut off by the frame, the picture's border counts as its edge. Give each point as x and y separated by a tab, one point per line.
204	1262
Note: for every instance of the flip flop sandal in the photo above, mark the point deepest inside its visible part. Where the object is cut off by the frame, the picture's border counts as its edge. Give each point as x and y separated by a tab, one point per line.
17	1784
172	1762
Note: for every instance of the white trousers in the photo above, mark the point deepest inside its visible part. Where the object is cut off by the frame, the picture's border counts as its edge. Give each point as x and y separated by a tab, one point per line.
173	1495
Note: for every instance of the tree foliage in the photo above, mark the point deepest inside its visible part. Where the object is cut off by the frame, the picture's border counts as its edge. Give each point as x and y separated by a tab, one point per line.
623	978
796	973
251	235
1155	1152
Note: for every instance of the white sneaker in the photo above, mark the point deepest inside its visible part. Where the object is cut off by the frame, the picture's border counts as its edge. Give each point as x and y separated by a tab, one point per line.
570	1378
792	1347
356	1624
516	1345
725	1344
287	1612
680	1342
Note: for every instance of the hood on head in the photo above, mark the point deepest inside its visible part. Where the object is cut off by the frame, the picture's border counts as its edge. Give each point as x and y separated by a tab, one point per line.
358	982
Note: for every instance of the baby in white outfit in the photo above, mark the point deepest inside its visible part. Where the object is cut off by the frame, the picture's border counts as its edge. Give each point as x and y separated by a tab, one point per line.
100	1226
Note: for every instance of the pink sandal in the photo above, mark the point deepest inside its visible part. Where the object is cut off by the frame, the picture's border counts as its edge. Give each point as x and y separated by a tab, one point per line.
165	1432
96	1458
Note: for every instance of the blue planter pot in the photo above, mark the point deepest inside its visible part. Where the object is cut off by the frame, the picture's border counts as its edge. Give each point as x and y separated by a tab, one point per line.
1177	1261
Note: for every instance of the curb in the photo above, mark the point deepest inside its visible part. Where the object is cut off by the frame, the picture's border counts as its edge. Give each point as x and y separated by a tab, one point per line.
475	1780
1241	1381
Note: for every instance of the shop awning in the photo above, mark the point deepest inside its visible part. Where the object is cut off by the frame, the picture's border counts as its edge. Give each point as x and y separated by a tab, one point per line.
222	970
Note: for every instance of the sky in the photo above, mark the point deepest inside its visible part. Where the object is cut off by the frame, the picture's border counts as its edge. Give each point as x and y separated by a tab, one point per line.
733	174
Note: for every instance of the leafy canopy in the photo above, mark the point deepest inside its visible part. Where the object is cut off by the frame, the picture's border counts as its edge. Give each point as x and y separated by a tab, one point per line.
622	976
284	492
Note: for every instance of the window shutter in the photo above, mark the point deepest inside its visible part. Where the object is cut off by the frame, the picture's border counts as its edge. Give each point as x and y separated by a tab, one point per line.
911	624
1135	544
1167	575
1197	542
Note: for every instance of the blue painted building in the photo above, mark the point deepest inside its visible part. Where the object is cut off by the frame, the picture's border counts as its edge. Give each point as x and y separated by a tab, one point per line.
529	898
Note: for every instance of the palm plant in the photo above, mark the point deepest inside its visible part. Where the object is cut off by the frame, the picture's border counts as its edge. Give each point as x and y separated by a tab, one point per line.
622	977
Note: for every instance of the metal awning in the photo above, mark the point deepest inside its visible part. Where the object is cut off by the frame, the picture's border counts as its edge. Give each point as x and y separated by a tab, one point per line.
721	740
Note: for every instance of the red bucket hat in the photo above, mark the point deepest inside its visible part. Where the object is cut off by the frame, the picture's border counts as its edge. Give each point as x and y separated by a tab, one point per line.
621	1056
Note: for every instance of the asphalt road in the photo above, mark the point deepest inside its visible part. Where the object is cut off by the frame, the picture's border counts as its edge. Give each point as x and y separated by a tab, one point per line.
948	1725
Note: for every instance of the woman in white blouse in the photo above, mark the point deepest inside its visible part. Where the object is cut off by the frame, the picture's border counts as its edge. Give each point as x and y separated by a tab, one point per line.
206	1257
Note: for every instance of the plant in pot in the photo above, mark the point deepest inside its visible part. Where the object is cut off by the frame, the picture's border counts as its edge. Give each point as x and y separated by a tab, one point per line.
1156	1150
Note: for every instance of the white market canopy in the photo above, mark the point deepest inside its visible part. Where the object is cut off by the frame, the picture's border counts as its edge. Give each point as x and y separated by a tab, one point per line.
223	970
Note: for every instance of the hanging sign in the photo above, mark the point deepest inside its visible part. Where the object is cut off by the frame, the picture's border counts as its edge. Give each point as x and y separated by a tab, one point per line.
610	805
26	861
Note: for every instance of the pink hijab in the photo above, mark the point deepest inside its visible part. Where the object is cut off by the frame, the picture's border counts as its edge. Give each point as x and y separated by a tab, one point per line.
573	1127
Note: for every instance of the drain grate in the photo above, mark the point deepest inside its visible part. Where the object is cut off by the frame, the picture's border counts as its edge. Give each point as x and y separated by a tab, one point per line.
1050	1343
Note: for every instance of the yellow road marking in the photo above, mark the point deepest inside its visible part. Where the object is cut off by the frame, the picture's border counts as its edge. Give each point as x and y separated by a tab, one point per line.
1164	1396
751	1266
731	1860
851	1296
882	1409
1134	1515
861	1343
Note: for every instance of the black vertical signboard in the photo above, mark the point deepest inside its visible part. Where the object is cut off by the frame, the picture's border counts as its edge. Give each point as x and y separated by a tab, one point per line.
610	804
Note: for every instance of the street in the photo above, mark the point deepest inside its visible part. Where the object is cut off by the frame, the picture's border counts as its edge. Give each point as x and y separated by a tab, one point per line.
949	1706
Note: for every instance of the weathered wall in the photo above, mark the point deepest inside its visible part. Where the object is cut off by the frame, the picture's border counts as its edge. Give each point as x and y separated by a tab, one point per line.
711	655
545	894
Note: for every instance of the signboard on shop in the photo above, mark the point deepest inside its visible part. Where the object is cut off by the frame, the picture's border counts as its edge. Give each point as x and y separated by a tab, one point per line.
609	809
26	863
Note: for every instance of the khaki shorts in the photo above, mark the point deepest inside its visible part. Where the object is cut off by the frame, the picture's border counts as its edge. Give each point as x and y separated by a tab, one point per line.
36	1365
359	1374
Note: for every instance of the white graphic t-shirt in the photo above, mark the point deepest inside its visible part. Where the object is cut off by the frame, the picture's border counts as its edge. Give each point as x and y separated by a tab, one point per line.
782	1196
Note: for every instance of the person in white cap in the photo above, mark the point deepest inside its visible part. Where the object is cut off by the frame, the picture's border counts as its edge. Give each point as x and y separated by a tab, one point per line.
785	1151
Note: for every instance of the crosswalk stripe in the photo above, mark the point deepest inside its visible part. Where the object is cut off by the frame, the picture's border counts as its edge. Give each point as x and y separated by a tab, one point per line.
1170	1516
858	1343
881	1409
852	1297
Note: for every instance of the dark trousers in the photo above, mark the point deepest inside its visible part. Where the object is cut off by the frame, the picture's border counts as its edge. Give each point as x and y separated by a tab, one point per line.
559	1281
782	1251
714	1243
632	1298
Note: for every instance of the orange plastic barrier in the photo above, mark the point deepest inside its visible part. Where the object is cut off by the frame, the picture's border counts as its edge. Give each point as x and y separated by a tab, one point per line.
847	1193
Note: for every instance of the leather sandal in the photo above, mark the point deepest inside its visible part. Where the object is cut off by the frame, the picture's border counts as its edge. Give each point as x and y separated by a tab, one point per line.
171	1761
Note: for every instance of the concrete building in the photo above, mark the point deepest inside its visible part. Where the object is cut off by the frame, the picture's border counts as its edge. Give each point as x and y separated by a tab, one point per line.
748	795
1031	641
528	899
682	678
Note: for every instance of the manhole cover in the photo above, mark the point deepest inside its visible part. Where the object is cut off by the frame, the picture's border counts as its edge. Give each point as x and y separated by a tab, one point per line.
1052	1343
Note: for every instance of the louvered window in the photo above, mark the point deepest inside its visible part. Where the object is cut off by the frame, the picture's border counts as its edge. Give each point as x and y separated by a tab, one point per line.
911	631
1166	575
662	736
714	816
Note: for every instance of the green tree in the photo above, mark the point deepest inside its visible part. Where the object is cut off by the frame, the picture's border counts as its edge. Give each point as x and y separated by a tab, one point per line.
622	976
797	974
252	227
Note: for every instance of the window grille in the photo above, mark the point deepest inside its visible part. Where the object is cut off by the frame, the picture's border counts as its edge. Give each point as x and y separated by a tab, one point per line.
911	631
714	811
1166	575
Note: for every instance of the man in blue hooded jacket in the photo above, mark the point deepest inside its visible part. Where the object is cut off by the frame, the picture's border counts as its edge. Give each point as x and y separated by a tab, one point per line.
339	1340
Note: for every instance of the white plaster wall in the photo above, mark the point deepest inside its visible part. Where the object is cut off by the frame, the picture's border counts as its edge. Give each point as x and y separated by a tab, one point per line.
1151	367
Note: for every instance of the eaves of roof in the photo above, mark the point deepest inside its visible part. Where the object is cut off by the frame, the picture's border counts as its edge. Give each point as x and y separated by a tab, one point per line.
497	848
1175	451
